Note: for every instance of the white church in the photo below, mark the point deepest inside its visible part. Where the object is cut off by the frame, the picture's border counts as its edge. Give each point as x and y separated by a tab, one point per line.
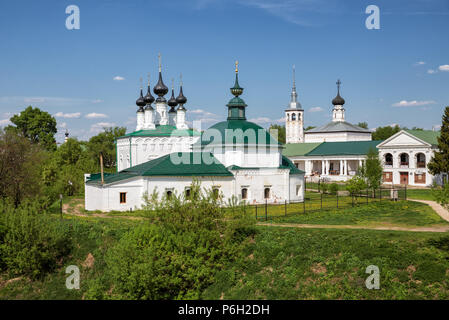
235	158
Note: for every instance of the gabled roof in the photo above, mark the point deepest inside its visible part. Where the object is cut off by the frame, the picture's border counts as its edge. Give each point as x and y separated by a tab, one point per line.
163	131
299	149
343	148
428	136
174	164
338	126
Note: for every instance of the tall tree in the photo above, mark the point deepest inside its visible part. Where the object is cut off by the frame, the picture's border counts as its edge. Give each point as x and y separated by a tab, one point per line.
37	125
440	161
383	133
363	125
20	167
372	170
104	143
280	131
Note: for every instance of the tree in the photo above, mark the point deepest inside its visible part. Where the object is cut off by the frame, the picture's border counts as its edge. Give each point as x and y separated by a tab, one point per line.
281	132
363	125
440	162
20	167
36	125
383	133
372	170
309	128
104	143
355	185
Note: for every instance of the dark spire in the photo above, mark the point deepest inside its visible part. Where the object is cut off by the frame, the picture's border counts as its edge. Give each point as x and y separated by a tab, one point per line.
140	102
172	101
149	99
236	106
160	88
180	99
338	100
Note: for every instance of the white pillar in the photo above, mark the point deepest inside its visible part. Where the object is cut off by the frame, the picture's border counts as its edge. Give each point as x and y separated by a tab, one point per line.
323	167
341	167
346	167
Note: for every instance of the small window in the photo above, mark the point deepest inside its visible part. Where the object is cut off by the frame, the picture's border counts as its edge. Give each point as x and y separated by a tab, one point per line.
267	193
293	116
244	193
169	194
122	197
215	192
298	190
187	193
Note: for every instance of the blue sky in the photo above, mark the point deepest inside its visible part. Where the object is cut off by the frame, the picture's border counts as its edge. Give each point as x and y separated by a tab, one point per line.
398	74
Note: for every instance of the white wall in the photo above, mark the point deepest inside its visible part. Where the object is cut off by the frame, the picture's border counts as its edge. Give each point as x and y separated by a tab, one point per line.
337	136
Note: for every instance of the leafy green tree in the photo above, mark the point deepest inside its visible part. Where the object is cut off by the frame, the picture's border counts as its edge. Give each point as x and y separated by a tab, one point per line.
20	167
36	125
281	132
372	170
104	143
383	133
355	185
309	128
439	164
363	125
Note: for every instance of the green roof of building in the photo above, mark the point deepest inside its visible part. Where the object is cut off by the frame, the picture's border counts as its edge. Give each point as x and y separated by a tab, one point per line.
344	148
428	136
174	164
338	126
286	164
163	131
299	149
229	134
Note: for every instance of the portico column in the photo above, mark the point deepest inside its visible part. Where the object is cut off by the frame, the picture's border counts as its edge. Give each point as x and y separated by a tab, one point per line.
327	167
346	167
323	168
341	167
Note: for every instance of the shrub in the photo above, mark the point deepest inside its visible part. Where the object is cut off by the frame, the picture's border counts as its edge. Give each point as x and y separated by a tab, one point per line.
333	188
177	256
32	243
355	185
441	194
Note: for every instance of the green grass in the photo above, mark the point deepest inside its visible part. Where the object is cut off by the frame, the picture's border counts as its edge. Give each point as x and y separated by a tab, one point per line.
384	213
420	194
314	186
285	263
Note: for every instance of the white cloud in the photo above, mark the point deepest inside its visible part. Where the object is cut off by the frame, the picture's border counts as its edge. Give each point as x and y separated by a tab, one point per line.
419	63
4	122
316	109
98	127
414	103
118	78
430	71
444	67
97	101
261	120
202	112
62	125
68	115
94	115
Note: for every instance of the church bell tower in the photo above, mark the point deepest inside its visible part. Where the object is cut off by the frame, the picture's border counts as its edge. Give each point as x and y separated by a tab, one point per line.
294	118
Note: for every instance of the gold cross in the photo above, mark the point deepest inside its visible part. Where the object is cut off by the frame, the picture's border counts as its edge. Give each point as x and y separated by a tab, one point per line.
236	66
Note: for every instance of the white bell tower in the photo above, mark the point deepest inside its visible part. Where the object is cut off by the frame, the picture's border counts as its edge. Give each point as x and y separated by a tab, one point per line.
338	113
294	118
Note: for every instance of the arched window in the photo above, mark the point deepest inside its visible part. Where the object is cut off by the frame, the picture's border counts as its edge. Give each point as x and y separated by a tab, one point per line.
389	159
404	159
420	160
244	193
169	194
293	116
266	193
299	116
187	193
215	192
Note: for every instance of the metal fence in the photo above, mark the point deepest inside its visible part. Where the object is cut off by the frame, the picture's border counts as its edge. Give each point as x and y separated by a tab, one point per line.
318	201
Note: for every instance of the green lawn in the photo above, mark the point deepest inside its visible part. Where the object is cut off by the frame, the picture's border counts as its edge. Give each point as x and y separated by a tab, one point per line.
314	186
420	194
285	263
384	213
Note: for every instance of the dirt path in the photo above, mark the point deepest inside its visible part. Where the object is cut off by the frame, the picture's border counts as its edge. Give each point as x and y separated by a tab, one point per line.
442	212
327	226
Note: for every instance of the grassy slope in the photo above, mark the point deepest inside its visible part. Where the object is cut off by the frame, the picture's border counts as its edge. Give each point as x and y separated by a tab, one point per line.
283	263
401	213
421	194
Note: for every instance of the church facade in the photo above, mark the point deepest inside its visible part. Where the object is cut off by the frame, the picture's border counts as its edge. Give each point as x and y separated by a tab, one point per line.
235	158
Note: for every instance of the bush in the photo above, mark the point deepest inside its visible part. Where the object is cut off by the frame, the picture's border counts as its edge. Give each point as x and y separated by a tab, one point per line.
177	256
333	188
441	194
355	185
31	243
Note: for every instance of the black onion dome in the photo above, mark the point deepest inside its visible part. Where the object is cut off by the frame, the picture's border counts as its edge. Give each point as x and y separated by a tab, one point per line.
338	100
160	88
181	99
140	102
149	99
172	102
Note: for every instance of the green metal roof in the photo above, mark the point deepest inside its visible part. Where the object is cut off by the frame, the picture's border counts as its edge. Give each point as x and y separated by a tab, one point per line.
299	149
163	131
344	148
286	164
338	126
229	134
192	164
428	136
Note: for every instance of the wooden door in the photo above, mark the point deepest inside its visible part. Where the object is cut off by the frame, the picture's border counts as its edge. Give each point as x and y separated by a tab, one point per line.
404	177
